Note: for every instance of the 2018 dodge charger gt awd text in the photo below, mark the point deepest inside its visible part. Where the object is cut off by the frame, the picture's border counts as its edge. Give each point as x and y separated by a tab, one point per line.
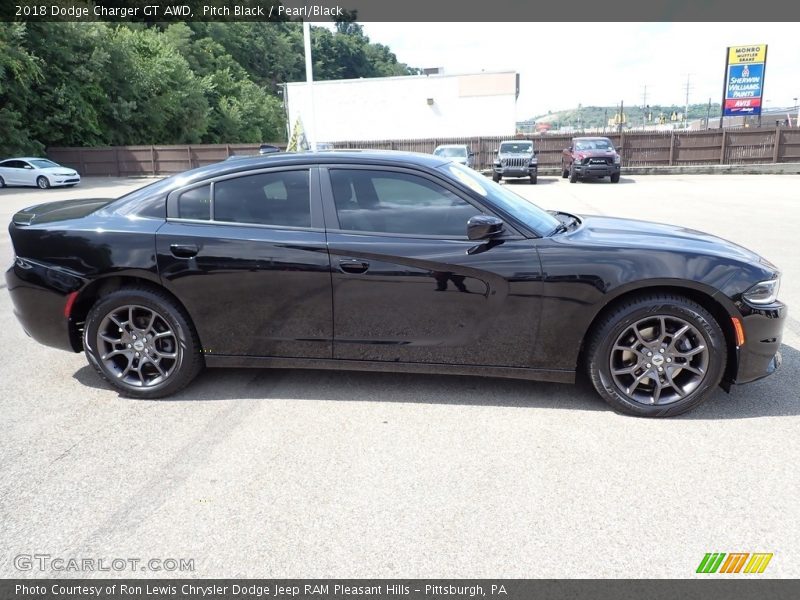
389	262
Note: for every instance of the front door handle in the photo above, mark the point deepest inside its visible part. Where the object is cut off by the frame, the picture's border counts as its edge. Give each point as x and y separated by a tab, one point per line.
184	250
353	265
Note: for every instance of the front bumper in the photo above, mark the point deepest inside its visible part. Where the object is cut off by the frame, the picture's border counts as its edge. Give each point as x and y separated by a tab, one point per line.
596	170
529	171
73	180
763	332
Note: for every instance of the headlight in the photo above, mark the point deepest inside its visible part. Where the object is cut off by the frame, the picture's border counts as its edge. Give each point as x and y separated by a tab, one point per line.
617	159
534	161
764	292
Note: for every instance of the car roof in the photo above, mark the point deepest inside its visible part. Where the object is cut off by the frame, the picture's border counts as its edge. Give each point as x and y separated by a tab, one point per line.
452	146
26	158
591	137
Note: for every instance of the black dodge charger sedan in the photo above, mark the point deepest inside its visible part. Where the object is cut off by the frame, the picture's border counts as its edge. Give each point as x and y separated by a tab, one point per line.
391	262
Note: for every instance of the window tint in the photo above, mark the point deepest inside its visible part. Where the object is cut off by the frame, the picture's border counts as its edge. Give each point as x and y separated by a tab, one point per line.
280	199
390	202
195	203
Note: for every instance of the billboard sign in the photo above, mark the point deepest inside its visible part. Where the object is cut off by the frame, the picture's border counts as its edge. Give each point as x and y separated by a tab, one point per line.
744	80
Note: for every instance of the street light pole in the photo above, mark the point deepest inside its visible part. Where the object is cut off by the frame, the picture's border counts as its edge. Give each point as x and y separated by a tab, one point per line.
797	121
311	128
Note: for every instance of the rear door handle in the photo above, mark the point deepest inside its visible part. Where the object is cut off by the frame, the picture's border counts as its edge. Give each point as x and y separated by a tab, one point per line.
353	265
184	250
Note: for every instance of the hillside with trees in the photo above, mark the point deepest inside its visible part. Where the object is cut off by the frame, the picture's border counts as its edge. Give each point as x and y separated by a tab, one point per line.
94	84
589	117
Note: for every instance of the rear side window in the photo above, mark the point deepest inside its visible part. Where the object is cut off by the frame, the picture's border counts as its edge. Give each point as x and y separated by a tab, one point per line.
280	199
195	203
393	202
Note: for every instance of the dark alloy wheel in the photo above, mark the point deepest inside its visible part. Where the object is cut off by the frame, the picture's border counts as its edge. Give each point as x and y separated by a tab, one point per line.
657	355
43	182
142	343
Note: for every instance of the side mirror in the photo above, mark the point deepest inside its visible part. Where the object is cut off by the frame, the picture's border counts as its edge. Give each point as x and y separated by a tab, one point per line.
495	150
569	148
471	153
481	227
535	152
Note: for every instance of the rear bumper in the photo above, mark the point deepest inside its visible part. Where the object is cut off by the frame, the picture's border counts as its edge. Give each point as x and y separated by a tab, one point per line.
39	294
763	332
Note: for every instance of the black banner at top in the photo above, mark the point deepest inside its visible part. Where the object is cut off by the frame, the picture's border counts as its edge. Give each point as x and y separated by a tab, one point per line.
401	11
399	589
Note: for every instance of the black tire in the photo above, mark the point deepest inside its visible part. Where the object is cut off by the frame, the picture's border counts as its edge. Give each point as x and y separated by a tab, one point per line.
564	172
2	182
533	179
573	176
692	362
177	348
42	182
615	178
496	177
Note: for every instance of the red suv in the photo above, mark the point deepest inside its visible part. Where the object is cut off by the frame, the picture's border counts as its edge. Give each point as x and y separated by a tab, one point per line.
590	157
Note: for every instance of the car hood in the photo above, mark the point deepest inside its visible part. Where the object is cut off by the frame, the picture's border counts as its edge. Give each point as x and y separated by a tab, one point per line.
59	211
56	170
634	234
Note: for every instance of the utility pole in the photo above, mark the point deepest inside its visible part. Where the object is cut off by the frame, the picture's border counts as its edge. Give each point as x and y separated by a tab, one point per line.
797	121
708	112
621	114
686	111
311	132
644	107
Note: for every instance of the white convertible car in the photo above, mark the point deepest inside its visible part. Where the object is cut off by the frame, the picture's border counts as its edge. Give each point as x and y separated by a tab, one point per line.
39	172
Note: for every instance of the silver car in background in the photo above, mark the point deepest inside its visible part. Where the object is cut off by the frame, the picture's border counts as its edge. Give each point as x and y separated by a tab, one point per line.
38	172
457	153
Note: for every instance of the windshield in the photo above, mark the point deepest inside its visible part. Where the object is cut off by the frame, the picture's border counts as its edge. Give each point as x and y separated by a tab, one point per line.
43	163
516	147
451	152
602	144
507	201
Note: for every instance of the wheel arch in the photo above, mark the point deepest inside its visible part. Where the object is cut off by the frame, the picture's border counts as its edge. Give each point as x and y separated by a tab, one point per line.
102	286
702	295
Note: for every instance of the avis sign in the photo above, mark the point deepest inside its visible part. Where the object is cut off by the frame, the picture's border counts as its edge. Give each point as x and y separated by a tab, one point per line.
744	80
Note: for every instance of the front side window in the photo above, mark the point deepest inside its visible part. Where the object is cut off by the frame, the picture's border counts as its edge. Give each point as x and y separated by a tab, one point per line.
394	202
43	163
278	198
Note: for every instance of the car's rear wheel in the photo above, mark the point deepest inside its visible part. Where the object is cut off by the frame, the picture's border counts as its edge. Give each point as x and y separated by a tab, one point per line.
573	176
656	355
615	178
142	343
2	182
43	182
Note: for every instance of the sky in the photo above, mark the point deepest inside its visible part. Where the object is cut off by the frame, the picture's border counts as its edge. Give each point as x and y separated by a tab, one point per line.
564	64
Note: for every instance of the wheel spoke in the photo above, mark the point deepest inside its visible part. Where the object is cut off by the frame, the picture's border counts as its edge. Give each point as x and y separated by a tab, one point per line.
115	353
691	352
673	384
109	339
636	382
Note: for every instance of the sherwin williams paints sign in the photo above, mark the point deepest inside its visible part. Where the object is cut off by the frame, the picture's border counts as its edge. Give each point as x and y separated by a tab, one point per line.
744	80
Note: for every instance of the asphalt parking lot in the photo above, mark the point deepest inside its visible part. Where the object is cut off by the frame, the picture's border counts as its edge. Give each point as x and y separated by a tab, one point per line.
334	474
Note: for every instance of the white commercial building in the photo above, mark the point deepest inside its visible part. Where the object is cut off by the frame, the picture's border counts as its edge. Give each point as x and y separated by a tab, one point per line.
407	107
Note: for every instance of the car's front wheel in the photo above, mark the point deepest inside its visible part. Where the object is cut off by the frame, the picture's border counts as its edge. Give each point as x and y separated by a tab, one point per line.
142	343
615	178
496	177
656	355
2	182
43	182
533	179
573	176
